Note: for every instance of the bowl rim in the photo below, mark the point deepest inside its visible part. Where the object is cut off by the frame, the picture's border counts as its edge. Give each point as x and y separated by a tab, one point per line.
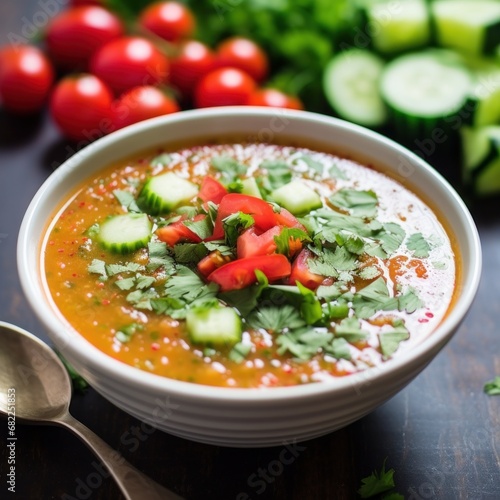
80	348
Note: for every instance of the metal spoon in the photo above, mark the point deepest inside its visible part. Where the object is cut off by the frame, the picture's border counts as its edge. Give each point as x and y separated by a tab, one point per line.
42	390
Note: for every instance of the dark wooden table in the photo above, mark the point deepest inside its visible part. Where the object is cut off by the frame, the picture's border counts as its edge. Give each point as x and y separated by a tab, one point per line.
441	434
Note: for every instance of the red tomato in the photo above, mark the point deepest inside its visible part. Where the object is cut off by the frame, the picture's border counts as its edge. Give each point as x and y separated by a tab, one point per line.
75	34
274	98
263	213
192	62
26	77
240	273
302	274
224	87
81	107
169	20
211	262
173	233
251	244
244	54
129	62
211	190
141	103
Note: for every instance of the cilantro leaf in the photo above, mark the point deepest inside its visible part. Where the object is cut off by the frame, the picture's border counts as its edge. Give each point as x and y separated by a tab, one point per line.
202	228
159	257
410	301
289	234
125	333
358	203
337	222
125	284
142	299
390	340
144	282
239	352
377	482
492	387
372	298
369	272
418	245
391	237
161	160
98	266
234	224
339	348
186	253
276	319
186	284
278	174
246	299
127	200
129	267
170	306
304	343
93	230
350	330
230	168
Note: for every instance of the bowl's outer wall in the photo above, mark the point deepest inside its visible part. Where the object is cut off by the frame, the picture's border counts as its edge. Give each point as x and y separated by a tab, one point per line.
244	417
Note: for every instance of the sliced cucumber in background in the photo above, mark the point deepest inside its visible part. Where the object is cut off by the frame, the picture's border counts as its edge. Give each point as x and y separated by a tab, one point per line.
473	27
351	85
398	26
424	91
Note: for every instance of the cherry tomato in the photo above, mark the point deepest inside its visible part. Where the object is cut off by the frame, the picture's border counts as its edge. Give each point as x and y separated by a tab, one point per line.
274	98
171	21
244	54
302	274
240	273
75	34
224	87
211	190
130	62
141	103
177	231
262	212
192	62
26	77
81	107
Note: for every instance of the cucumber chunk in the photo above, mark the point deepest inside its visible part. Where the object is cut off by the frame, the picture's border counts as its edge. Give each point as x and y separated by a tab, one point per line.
297	197
424	91
399	26
215	325
250	187
351	82
471	26
163	193
125	233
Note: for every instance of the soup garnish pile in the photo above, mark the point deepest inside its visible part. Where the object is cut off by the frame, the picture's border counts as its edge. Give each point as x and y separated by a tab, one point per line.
249	265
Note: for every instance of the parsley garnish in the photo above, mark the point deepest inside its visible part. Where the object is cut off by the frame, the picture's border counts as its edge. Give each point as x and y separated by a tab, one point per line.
377	482
185	285
127	200
374	297
230	168
390	340
418	245
304	343
159	257
276	319
350	330
358	203
98	266
129	267
409	301
278	174
189	253
492	388
202	228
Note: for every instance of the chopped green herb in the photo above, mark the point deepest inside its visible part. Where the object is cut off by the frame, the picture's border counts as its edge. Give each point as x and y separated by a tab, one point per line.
144	282
339	348
170	306
377	482
492	388
369	272
350	330
409	301
358	203
125	284
374	297
127	200
239	352
287	234
230	168
335	310
202	228
235	186
186	285
418	245
305	342
142	299
125	333
246	299
234	224
276	319
390	340
129	267
98	266
93	230
161	160
159	257
188	253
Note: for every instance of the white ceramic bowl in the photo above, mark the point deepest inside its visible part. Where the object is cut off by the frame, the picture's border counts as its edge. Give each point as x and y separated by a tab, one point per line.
245	417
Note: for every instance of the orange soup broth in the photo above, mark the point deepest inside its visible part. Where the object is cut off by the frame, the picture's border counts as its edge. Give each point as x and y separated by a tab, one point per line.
97	309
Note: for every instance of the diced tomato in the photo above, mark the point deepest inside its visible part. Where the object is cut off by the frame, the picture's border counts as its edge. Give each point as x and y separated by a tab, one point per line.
241	273
211	190
263	213
250	243
302	274
211	262
176	232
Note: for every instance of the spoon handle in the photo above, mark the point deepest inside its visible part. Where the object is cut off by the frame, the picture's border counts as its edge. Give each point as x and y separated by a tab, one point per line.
133	483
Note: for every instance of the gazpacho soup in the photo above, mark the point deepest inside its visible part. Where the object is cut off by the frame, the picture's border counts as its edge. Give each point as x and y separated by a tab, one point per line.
248	265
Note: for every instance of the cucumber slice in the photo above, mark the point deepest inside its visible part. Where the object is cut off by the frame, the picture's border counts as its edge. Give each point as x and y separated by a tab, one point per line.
425	91
351	82
471	26
125	233
483	106
250	187
297	197
165	192
215	325
399	26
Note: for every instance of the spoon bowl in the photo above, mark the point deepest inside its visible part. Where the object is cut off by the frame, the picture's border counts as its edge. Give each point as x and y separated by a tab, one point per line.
33	377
